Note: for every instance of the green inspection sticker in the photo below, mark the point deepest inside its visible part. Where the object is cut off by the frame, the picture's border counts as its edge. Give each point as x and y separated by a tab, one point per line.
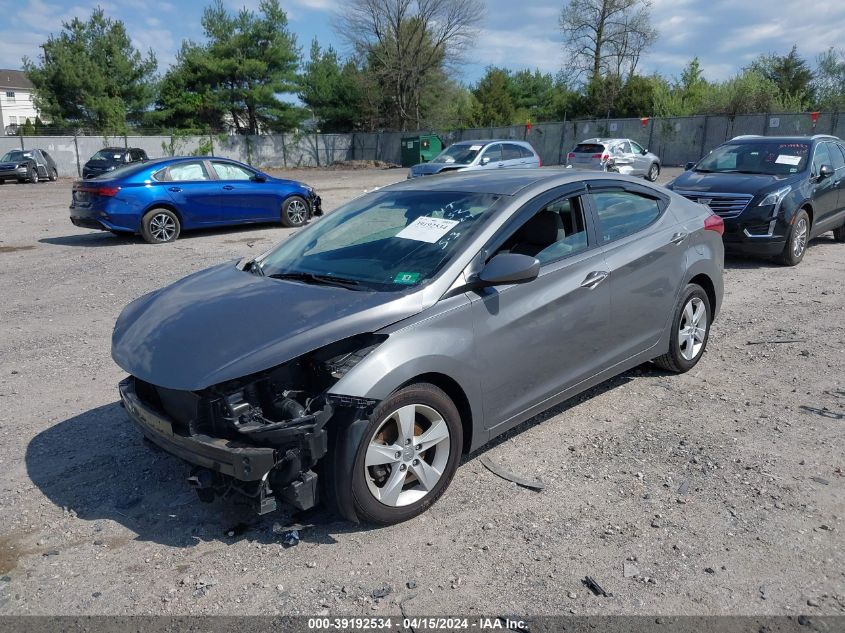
406	278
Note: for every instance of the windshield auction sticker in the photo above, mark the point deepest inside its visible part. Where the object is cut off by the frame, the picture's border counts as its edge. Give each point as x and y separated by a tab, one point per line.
786	159
427	229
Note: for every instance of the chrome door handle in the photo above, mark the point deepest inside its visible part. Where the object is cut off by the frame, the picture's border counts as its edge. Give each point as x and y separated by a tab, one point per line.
174	189
228	187
678	238
594	279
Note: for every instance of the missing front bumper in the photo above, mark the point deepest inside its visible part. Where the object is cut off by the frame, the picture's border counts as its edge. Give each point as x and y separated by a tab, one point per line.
224	466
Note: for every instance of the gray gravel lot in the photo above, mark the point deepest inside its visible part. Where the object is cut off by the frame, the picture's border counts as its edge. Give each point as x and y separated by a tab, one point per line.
722	489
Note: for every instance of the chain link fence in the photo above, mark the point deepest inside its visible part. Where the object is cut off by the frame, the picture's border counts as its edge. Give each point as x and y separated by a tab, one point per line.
676	140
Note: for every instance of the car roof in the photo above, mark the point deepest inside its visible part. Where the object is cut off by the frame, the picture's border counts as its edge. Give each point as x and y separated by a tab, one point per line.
603	141
506	182
487	141
112	149
754	138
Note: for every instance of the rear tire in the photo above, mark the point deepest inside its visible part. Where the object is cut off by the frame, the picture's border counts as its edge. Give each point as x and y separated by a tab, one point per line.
690	331
796	243
295	212
160	226
403	460
653	172
54	175
839	234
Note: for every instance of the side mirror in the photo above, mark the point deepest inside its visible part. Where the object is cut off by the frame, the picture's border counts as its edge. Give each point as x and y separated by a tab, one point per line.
258	178
509	268
485	160
689	166
826	171
644	152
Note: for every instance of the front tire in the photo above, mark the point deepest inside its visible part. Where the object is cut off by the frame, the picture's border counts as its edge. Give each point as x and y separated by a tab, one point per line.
653	172
690	331
839	233
404	459
160	226
32	175
796	243
294	212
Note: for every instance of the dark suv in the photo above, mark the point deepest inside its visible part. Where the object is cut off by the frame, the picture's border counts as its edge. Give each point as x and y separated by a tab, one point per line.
110	158
774	193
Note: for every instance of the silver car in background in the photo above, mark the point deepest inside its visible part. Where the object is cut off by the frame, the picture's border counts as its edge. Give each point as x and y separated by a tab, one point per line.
480	155
620	155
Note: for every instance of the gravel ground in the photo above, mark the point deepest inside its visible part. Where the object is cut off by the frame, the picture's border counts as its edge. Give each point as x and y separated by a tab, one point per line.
716	492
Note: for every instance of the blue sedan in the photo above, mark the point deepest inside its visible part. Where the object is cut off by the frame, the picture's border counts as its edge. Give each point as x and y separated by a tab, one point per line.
161	198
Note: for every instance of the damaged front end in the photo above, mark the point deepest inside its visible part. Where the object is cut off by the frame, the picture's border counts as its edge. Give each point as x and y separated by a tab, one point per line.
261	436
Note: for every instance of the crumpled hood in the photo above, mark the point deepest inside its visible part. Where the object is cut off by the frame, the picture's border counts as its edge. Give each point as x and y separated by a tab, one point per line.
727	182
222	323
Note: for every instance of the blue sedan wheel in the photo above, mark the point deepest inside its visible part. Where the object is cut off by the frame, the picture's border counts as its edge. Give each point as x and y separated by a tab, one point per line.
160	226
294	212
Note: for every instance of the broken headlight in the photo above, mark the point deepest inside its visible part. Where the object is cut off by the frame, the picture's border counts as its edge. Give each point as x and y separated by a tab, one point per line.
341	364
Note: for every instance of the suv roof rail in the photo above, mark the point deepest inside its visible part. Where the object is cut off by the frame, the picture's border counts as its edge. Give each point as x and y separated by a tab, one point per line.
746	136
815	136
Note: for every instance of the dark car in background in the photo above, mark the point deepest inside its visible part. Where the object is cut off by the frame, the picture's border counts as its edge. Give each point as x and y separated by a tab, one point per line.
775	193
159	199
28	165
480	155
620	155
110	158
416	323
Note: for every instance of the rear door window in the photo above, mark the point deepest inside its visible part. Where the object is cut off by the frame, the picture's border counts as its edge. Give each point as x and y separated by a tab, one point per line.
183	172
622	213
511	152
526	153
637	149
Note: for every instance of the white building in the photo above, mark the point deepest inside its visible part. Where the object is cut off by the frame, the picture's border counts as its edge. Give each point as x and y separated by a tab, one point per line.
16	104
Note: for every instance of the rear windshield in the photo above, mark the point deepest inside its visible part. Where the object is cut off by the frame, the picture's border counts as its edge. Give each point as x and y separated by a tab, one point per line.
588	148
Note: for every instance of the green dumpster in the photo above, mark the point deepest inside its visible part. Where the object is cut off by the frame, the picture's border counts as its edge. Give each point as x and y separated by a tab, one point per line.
420	149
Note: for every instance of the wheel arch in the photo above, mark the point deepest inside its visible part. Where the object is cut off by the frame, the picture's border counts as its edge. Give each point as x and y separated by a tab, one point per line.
456	394
706	283
161	205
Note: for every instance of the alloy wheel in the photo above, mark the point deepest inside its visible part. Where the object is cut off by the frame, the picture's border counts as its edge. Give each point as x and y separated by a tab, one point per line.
799	238
34	177
692	330
297	212
162	227
407	455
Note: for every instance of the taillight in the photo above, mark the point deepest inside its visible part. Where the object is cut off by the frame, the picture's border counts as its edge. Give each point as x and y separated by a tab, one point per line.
540	161
108	192
571	155
601	156
714	223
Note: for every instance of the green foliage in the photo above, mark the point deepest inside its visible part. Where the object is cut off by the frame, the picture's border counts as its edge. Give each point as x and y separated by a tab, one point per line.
27	129
178	143
495	104
91	75
332	90
234	78
746	93
829	82
790	73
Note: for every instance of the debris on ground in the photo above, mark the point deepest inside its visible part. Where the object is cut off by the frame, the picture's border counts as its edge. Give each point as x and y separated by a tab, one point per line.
630	570
362	164
290	538
531	484
595	587
381	592
237	530
776	341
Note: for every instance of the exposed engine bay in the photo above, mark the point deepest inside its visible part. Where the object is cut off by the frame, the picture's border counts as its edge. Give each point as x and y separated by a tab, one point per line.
259	436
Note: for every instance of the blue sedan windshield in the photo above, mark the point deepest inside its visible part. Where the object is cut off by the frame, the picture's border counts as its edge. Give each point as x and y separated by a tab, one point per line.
383	241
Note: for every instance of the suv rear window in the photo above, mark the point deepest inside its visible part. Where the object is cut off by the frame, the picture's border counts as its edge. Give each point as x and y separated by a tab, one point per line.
589	148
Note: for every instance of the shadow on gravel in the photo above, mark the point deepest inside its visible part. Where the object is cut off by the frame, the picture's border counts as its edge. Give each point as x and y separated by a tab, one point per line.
105	238
739	261
98	465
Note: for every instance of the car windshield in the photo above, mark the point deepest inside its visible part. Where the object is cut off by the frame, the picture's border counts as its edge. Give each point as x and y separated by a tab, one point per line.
385	241
773	158
108	154
15	155
461	154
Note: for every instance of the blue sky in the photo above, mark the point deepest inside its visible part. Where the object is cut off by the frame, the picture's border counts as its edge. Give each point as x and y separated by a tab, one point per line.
725	34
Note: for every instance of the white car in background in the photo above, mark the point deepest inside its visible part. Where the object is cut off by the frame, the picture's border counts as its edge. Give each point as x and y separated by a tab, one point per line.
621	155
475	155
